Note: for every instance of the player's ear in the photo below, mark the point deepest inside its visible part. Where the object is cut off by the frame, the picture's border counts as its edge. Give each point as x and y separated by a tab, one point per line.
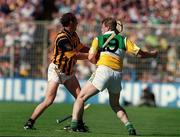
108	28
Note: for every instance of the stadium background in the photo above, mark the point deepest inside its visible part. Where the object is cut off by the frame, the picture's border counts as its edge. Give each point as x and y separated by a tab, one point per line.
28	28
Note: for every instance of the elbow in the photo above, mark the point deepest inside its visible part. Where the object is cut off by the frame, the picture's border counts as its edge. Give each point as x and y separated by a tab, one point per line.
84	49
142	54
92	60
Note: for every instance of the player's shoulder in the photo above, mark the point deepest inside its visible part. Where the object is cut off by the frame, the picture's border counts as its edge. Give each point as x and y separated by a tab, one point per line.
99	37
75	34
121	36
60	34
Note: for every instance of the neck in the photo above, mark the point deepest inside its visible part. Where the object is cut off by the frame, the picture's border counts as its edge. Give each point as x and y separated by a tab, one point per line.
69	30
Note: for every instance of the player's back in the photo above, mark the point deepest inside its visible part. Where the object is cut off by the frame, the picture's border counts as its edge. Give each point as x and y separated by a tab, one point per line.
112	55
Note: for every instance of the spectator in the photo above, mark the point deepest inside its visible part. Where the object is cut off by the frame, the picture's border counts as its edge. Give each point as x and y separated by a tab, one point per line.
17	19
147	98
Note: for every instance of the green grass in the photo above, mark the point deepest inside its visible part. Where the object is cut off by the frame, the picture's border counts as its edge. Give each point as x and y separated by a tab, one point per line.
149	122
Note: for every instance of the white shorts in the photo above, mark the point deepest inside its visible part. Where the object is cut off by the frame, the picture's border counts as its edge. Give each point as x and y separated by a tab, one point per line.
105	77
56	75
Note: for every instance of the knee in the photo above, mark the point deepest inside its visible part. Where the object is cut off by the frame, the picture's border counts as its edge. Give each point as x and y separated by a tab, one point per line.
114	105
81	98
76	93
47	103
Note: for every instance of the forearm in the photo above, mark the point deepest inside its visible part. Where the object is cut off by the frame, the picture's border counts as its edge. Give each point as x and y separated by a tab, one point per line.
145	54
81	56
93	58
85	49
93	61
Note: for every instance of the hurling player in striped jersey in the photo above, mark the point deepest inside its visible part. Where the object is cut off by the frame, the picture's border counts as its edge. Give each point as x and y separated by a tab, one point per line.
67	49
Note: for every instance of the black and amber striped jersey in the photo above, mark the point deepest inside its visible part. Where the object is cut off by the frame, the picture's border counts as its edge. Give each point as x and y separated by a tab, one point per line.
66	45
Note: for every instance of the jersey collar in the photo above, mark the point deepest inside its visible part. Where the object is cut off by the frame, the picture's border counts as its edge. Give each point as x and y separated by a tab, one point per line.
68	32
109	32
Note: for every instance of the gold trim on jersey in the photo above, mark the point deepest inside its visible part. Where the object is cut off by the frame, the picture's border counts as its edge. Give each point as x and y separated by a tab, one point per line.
110	61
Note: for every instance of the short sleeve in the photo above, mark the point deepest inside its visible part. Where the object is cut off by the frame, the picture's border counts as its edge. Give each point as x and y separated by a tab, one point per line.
132	47
94	46
63	44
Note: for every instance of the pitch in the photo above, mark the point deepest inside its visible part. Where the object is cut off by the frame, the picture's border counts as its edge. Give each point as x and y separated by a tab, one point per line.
149	122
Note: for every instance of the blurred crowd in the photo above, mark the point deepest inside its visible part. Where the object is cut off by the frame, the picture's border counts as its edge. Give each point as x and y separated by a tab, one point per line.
28	26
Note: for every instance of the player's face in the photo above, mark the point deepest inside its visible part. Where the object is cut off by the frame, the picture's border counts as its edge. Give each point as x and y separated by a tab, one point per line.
104	28
74	26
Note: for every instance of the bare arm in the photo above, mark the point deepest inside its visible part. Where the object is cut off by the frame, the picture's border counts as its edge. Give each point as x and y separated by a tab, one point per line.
82	53
85	49
145	54
93	57
81	56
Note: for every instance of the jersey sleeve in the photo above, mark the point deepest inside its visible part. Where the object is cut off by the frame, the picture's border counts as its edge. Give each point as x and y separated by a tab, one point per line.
131	47
94	46
63	42
80	46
